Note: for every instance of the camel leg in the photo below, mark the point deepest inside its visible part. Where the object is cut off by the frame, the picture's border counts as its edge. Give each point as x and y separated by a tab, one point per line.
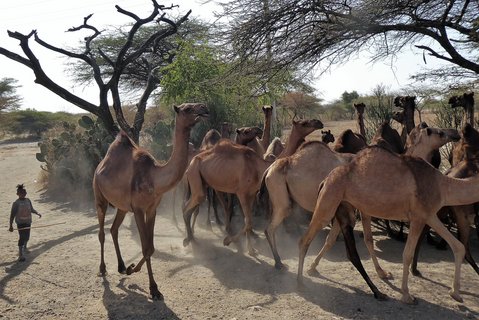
101	206
347	228
146	231
326	207
280	211
415	230
210	198
246	202
414	269
368	240
197	196
119	217
463	227
458	250
328	244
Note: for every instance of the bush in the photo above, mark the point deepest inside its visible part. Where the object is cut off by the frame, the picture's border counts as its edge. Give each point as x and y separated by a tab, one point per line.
71	154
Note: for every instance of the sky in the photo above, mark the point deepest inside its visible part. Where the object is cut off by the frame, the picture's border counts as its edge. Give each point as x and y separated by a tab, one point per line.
51	18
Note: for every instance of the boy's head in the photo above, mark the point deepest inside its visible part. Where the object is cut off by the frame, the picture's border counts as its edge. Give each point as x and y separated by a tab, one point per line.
21	191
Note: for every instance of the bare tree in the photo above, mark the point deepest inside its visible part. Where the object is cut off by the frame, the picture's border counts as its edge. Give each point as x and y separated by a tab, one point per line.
9	99
130	55
309	32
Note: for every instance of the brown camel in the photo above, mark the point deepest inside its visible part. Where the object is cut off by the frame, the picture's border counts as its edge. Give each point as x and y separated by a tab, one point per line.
266	137
360	114
462	214
130	179
234	169
390	186
274	150
211	138
327	136
389	138
422	141
248	136
296	179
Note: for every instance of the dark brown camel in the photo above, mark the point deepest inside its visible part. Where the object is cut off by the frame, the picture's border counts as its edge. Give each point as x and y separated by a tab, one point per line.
130	179
327	136
360	117
349	142
466	101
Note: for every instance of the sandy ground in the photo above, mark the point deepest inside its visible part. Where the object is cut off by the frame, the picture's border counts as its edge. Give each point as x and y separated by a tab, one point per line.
205	281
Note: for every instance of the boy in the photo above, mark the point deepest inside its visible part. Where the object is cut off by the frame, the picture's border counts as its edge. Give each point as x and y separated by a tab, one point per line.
22	213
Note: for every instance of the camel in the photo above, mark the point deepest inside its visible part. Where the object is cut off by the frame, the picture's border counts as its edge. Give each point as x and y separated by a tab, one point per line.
390	186
248	136
266	137
226	130
462	214
408	104
465	101
274	150
130	179
389	138
296	179
327	136
349	142
360	115
211	138
238	170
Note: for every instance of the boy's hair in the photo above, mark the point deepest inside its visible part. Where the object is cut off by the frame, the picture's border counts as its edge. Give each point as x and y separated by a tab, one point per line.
20	187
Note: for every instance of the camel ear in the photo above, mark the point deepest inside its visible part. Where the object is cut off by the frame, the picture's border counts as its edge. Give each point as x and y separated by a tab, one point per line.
237	131
176	108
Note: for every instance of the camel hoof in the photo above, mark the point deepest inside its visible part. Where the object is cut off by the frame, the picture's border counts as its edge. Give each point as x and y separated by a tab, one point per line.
130	268
280	266
156	295
186	242
408	299
385	275
456	296
102	273
416	273
381	296
227	241
253	252
312	272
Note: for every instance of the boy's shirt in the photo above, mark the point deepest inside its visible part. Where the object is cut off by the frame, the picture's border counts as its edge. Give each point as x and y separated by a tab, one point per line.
22	210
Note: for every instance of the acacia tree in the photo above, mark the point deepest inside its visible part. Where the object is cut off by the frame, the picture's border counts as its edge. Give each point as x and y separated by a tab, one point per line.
9	99
312	32
110	68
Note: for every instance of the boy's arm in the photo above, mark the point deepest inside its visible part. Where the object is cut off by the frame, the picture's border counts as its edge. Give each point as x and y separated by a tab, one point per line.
13	212
33	210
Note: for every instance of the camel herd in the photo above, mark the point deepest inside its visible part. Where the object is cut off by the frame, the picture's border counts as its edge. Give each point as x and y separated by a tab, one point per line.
395	177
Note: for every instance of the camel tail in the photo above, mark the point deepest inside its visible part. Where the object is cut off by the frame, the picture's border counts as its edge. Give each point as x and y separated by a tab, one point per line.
262	197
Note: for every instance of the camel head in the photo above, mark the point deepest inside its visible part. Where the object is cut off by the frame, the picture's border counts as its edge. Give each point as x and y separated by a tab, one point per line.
188	114
432	137
246	134
464	101
304	127
405	102
359	107
267	110
327	136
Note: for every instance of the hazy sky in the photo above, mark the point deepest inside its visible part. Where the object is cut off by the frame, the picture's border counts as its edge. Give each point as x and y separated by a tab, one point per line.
51	18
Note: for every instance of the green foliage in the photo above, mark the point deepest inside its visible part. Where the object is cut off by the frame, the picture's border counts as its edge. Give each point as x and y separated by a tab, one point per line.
379	108
161	139
9	99
70	154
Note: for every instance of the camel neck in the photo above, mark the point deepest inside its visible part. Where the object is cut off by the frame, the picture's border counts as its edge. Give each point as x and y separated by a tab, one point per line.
417	151
461	191
292	144
174	169
362	130
266	137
